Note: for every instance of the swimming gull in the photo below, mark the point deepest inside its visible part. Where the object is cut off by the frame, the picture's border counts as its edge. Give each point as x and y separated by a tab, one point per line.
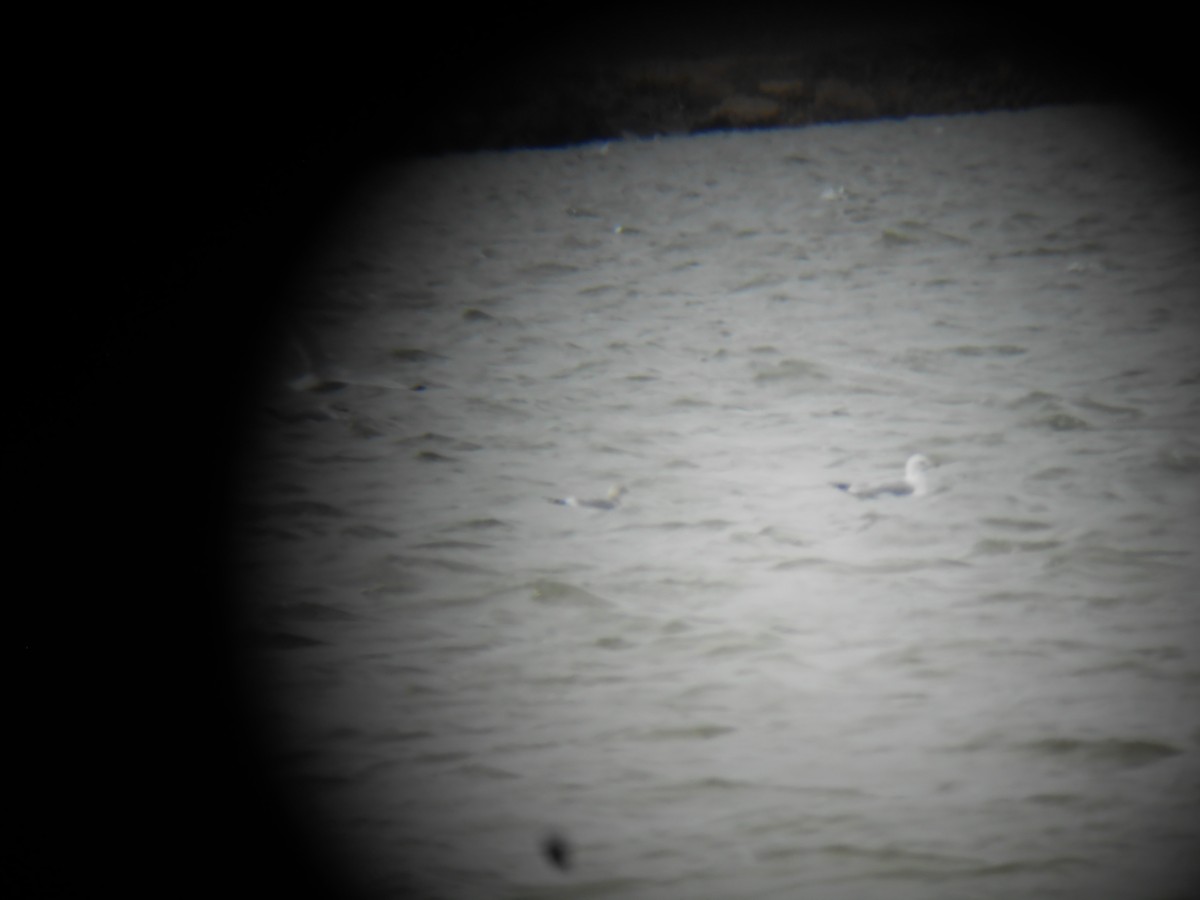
615	493
913	485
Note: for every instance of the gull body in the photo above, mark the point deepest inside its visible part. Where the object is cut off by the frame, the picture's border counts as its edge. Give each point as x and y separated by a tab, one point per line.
611	501
914	484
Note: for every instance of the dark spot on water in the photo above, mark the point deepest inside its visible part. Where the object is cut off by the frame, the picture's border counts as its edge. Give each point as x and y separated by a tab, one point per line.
476	524
549	269
992	350
1112	752
1061	421
557	850
429	438
791	370
414	354
430	456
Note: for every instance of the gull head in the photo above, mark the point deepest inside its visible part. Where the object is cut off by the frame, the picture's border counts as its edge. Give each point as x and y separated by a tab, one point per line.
914	472
916	464
616	492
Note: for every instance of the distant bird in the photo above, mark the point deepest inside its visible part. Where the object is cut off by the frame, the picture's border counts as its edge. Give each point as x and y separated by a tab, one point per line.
615	493
557	851
913	485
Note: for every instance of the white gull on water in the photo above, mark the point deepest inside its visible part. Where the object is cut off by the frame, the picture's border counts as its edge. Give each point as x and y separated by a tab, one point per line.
914	484
615	493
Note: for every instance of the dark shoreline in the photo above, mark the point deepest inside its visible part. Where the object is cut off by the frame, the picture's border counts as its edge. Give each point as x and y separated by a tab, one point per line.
805	79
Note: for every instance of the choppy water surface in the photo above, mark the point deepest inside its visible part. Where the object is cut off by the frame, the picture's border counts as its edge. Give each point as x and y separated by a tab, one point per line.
742	682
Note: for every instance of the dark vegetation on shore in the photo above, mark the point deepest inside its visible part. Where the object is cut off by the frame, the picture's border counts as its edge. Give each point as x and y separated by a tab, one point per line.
794	78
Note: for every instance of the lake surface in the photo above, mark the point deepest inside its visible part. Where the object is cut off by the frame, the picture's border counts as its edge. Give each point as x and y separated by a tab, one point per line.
742	682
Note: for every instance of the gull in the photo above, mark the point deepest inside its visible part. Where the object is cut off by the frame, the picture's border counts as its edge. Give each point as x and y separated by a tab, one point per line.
615	493
913	485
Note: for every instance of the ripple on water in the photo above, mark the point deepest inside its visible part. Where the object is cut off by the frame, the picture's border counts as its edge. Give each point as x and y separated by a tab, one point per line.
1114	753
558	593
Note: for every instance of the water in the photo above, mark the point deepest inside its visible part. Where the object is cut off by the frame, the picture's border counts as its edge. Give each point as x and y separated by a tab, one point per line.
742	682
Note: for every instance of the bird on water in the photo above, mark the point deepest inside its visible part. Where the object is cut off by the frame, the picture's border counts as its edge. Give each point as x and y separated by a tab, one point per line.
915	484
611	501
